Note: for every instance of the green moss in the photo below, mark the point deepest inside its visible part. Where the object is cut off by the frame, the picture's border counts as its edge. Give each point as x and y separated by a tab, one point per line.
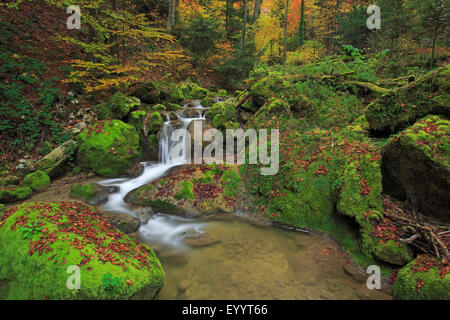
109	148
117	108
158	107
271	86
199	93
163	206
186	191
37	180
231	181
83	192
31	274
14	193
155	122
223	115
414	284
9	180
222	93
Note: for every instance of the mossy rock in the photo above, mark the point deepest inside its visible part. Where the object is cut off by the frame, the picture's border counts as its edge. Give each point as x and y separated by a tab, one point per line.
422	279
416	167
402	107
118	107
83	192
14	193
223	115
158	107
136	119
37	180
108	148
35	268
199	93
191	192
55	163
9	180
153	123
148	93
173	107
268	87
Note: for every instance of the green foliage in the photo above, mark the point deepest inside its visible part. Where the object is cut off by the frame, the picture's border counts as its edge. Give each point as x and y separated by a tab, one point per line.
200	37
230	180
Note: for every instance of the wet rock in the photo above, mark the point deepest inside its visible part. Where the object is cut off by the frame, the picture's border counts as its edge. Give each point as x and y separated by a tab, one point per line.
354	273
176	256
14	193
137	170
196	239
125	223
191	112
184	285
144	214
92	193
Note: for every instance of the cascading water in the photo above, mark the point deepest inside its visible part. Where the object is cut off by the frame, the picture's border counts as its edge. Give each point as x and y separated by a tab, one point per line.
153	171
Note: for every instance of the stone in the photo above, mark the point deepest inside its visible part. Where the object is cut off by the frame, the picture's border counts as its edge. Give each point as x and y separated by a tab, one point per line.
54	164
196	239
125	223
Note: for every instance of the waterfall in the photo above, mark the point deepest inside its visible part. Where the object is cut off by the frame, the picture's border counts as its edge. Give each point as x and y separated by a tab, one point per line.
152	171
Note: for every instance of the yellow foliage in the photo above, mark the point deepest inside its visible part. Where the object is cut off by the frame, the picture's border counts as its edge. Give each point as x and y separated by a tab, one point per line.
310	52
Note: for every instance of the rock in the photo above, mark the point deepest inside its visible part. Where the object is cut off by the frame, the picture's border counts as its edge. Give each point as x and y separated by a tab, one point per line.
81	125
357	275
88	118
152	123
184	285
191	112
148	93
144	214
403	106
199	93
176	256
43	274
136	170
117	108
37	180
26	165
109	148
197	139
416	167
223	115
195	239
9	180
54	164
14	193
421	280
125	223
92	193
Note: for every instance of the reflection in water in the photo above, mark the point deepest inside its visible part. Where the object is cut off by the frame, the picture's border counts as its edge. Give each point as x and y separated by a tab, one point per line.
250	262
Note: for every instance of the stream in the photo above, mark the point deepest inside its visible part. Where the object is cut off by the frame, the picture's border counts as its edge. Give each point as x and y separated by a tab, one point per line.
239	260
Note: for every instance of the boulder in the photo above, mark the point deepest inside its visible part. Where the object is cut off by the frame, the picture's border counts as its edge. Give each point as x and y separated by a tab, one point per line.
92	193
14	193
148	93
425	278
108	148
84	239
416	167
396	110
125	223
9	180
37	180
196	239
54	163
118	107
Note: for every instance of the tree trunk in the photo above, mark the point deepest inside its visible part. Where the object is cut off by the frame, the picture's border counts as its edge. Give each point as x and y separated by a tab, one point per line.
436	29
244	28
114	50
301	29
228	18
171	15
285	35
257	10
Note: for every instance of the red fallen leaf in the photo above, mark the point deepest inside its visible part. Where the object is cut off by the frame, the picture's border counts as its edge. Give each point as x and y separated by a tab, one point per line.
130	282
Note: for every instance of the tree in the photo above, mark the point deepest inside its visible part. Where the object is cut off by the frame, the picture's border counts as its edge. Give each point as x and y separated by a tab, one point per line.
244	27
352	27
257	10
285	34
301	28
171	15
432	16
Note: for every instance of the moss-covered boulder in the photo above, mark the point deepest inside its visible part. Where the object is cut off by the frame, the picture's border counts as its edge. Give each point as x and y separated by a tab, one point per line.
425	278
148	93
109	148
153	122
37	180
271	86
14	193
223	115
9	180
83	192
402	107
199	93
194	191
416	167
55	163
41	244
118	107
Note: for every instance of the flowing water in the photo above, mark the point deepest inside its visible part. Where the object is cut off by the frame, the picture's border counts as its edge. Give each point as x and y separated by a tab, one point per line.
245	261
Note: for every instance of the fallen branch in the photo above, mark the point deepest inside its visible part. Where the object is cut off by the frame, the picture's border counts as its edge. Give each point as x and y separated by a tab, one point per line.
368	85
